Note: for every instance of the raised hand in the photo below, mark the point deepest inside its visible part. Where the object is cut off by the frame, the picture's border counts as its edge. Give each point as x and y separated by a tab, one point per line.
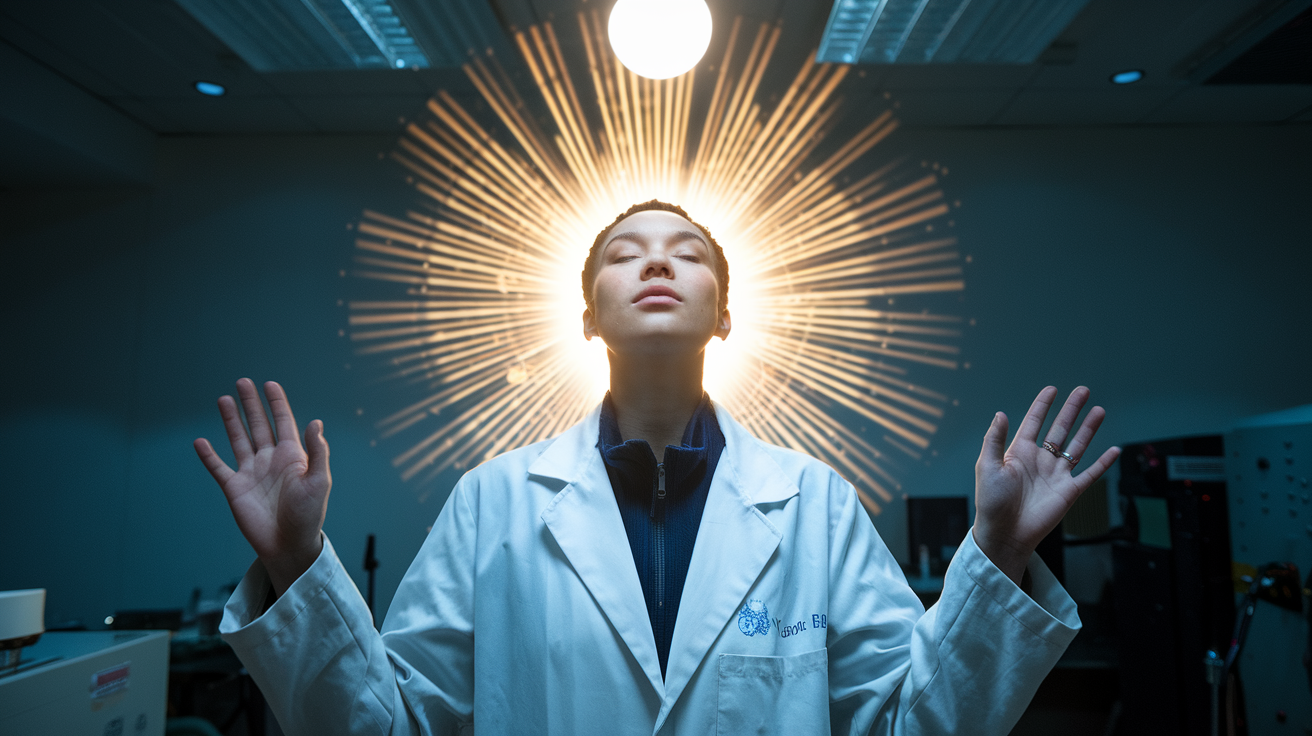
279	492
1023	491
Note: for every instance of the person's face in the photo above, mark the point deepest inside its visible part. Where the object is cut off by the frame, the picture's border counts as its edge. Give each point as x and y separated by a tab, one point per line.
655	290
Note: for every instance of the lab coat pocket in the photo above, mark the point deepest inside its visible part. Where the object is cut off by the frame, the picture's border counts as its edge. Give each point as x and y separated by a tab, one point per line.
783	695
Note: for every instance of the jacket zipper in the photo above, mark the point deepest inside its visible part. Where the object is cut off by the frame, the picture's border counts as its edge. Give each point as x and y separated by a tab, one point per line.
660	488
659	539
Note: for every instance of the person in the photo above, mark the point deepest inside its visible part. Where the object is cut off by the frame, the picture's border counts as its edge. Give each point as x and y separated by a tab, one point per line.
593	584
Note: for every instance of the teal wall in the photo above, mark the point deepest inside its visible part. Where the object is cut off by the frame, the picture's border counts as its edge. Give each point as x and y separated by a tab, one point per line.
1166	268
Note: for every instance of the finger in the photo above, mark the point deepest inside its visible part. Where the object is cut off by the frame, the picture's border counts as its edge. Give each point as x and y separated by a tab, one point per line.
995	442
283	421
1095	471
1029	427
261	432
241	443
316	447
1070	411
212	461
1088	429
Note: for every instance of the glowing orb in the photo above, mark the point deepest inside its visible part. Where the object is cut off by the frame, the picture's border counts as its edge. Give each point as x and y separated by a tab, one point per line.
659	39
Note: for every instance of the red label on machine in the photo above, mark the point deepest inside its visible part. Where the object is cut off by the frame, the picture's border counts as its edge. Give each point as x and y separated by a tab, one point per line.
110	681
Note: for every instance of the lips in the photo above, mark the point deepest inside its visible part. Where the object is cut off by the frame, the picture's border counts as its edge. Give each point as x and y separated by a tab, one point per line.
654	295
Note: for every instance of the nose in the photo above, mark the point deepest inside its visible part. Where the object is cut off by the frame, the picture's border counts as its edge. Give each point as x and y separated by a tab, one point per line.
657	265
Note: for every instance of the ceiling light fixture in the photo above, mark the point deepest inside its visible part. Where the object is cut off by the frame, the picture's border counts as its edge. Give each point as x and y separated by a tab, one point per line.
298	35
1129	76
211	89
659	39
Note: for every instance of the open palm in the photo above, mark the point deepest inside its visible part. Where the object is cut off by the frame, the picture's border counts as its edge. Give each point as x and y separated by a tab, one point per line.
279	492
1023	491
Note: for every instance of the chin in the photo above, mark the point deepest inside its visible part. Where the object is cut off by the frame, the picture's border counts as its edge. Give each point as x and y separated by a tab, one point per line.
658	344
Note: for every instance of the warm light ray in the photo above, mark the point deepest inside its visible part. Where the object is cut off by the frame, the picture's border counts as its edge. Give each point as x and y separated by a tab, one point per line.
483	325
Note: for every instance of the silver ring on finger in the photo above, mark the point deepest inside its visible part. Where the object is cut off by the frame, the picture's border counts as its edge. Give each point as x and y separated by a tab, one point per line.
1070	459
1055	450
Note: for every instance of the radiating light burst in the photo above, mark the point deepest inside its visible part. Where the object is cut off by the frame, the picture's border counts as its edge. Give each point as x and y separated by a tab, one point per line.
485	328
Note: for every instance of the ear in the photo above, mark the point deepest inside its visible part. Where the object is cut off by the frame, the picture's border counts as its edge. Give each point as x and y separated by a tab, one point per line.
589	325
726	324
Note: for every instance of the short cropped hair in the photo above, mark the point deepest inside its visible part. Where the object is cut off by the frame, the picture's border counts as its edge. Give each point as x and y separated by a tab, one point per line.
717	253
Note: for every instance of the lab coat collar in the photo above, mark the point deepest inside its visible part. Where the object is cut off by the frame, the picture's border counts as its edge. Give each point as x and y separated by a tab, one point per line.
734	542
567	457
585	521
762	480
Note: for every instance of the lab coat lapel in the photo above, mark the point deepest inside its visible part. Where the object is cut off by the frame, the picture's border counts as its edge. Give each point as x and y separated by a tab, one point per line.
734	543
585	521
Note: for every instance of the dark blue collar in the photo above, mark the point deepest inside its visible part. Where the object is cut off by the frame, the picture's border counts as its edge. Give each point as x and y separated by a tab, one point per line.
634	465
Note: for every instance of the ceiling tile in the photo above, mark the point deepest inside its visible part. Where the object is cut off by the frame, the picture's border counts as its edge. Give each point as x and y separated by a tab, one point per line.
380	114
869	77
1201	23
147	113
1114	35
943	107
1107	105
1256	103
35	45
373	82
457	82
956	76
145	48
234	115
1089	75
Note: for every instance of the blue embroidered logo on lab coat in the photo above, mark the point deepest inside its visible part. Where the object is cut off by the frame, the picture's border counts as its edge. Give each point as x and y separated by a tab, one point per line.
754	618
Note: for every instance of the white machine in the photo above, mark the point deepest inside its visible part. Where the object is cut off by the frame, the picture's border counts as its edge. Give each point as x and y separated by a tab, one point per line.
88	683
1268	469
22	620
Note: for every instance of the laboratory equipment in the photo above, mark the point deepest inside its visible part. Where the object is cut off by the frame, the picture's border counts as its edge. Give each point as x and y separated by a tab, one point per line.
1268	468
1174	597
22	620
88	682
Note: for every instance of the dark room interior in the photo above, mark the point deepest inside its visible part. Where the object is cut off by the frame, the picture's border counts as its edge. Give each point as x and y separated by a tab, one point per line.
195	191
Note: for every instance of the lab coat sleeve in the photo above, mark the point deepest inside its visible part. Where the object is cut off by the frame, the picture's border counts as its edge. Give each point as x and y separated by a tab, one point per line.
325	669
970	664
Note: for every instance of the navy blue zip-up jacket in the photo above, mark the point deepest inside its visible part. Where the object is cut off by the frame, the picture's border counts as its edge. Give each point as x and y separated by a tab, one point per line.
661	504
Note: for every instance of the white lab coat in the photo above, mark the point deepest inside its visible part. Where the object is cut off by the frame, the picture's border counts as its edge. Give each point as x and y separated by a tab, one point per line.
523	614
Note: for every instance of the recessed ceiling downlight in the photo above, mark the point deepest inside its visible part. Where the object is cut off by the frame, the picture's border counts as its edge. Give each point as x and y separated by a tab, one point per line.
1127	77
659	39
211	89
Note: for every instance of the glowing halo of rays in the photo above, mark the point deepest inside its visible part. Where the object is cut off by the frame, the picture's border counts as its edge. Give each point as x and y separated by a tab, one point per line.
484	328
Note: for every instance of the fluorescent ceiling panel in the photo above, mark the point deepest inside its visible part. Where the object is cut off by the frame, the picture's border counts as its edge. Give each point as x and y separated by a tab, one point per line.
944	31
448	30
296	35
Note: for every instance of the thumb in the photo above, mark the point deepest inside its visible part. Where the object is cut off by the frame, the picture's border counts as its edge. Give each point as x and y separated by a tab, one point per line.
995	442
316	448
